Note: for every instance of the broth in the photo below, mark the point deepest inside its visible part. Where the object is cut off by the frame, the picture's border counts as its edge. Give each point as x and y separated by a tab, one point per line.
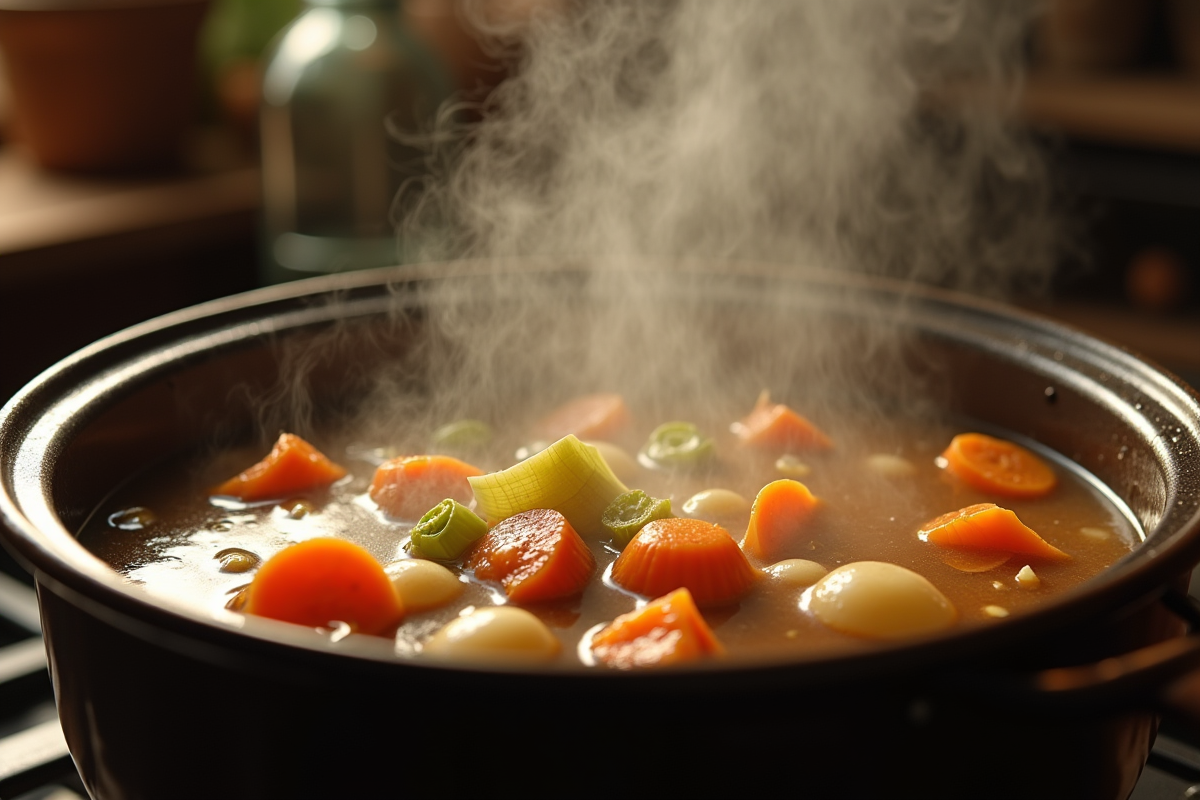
867	513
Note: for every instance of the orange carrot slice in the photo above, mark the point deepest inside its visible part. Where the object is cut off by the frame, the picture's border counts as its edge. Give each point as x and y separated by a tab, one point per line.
998	466
774	426
321	581
779	517
669	630
536	556
407	487
986	526
699	556
292	466
592	416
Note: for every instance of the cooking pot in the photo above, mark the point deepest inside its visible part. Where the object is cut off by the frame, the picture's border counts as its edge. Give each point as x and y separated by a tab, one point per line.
159	699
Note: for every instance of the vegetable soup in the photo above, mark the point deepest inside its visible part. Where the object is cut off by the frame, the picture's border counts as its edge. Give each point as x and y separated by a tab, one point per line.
600	538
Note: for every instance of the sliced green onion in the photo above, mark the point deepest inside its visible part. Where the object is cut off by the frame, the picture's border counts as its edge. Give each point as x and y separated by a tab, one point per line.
676	445
568	476
630	512
446	531
463	434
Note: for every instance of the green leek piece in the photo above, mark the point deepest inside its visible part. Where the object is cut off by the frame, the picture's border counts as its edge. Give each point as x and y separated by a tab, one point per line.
568	476
676	445
630	512
463	434
446	531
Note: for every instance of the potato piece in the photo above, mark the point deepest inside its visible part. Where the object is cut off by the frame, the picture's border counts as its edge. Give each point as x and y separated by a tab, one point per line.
886	465
498	635
796	572
877	600
423	584
623	465
718	506
790	466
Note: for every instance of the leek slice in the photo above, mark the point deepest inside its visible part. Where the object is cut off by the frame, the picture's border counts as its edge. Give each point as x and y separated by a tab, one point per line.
568	476
676	445
446	531
630	512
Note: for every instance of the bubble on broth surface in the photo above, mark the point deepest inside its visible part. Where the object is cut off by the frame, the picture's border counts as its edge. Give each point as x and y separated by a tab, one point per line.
132	519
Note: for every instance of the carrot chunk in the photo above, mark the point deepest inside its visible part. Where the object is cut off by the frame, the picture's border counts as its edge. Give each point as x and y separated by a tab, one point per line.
779	516
671	553
986	526
321	581
592	416
774	426
536	556
293	465
998	466
409	486
669	630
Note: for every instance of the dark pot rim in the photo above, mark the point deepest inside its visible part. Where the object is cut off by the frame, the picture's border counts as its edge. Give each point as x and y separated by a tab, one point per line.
38	419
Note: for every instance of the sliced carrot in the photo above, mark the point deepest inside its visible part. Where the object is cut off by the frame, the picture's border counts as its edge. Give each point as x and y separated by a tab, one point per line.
775	427
974	560
407	487
321	581
293	465
779	517
592	416
669	630
986	526
998	466
536	556
703	558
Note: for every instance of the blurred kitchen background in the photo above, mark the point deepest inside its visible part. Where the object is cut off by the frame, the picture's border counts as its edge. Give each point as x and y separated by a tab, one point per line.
131	181
131	185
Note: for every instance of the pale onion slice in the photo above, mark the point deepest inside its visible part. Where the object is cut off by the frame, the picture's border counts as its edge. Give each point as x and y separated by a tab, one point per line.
1028	579
623	465
887	465
796	572
568	476
498	634
877	600
721	506
423	584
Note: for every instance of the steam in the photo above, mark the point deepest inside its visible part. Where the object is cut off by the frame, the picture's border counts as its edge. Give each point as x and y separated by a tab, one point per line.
859	136
805	132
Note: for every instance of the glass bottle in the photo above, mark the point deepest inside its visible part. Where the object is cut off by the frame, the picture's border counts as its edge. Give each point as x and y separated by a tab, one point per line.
339	76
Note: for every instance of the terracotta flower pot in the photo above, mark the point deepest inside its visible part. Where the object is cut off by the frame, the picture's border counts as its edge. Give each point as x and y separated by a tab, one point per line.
102	86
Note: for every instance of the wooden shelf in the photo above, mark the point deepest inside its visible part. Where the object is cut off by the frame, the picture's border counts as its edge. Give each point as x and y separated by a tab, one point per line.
53	225
1152	110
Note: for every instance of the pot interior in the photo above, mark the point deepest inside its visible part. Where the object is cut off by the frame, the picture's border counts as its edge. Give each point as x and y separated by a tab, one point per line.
322	353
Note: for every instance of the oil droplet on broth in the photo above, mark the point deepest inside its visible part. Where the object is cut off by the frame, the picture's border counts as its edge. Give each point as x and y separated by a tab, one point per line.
132	519
235	559
238	599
